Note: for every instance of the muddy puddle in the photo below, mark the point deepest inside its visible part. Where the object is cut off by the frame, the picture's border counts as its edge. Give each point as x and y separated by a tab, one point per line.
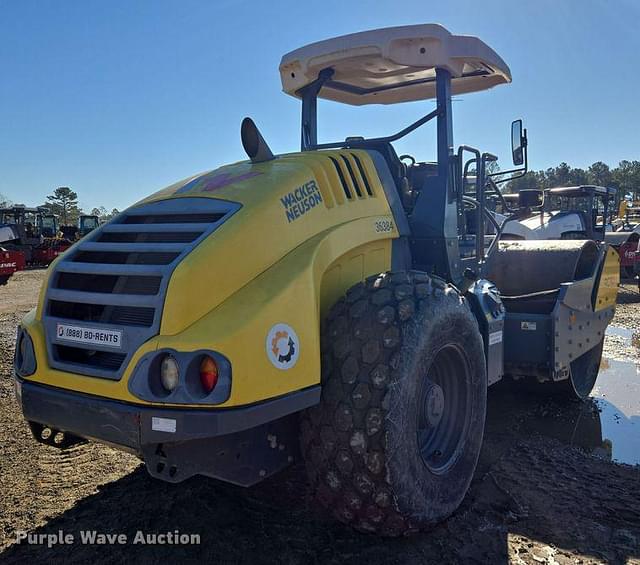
607	426
623	338
617	397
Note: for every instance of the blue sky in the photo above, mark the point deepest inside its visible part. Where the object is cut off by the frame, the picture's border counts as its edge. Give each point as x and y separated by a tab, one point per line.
118	99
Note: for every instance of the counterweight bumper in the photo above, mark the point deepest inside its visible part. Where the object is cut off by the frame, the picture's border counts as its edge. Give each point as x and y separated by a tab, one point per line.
239	445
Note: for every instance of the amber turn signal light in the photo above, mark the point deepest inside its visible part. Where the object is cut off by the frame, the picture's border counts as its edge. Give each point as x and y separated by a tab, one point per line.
208	373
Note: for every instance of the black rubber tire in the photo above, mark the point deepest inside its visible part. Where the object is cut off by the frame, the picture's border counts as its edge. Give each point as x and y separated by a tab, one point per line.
361	442
4	279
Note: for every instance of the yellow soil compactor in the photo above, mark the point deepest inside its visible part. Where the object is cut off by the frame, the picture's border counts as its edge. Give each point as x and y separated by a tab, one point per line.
338	304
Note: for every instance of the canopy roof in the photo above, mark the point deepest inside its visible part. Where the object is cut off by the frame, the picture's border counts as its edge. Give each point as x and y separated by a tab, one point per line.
391	65
582	190
24	210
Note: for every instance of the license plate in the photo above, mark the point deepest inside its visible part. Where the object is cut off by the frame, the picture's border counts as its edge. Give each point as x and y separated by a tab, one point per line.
92	336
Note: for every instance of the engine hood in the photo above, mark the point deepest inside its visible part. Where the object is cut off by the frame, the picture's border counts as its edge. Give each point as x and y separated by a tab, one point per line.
547	226
284	202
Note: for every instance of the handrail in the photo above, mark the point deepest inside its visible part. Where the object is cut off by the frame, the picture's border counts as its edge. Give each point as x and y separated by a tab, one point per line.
388	139
479	207
479	202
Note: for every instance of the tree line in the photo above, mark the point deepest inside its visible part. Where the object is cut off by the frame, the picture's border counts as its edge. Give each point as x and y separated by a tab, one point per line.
625	178
63	202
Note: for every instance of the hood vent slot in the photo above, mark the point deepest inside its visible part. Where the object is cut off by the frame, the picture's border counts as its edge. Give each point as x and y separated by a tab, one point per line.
345	187
171	219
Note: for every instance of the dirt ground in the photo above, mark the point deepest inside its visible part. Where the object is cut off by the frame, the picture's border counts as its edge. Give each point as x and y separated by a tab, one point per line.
545	491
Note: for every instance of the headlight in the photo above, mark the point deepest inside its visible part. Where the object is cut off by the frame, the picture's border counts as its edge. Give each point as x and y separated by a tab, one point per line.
169	373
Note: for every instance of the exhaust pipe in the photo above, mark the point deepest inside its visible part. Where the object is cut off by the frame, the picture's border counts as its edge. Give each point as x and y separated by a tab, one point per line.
254	144
54	438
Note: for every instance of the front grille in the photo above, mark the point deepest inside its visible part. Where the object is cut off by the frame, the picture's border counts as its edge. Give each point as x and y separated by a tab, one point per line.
116	278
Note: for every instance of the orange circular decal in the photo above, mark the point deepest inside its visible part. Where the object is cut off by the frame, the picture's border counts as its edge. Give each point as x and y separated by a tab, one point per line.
283	346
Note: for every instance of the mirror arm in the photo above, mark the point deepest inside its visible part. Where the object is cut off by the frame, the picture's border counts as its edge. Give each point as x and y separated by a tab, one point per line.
504	203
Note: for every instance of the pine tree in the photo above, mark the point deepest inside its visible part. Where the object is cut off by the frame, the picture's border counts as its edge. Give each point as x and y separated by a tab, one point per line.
64	203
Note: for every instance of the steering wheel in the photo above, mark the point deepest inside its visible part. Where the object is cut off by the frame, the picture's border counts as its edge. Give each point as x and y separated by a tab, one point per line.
413	160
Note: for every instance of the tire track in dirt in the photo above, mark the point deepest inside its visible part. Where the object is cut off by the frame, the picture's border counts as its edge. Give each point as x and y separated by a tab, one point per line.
36	481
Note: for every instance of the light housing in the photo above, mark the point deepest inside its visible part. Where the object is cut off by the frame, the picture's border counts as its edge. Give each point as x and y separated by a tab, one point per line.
211	388
24	360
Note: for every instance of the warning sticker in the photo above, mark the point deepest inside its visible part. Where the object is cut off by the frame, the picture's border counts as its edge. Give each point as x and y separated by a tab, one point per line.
163	425
495	337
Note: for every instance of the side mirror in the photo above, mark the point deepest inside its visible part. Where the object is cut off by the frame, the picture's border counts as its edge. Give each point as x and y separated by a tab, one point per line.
529	198
518	143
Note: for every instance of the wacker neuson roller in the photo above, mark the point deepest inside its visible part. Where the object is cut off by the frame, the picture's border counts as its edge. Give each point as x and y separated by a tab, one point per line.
341	303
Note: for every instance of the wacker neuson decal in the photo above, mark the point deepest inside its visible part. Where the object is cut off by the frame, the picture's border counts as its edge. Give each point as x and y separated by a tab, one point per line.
299	201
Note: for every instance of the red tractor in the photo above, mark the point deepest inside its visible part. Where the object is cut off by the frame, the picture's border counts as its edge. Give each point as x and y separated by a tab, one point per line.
10	262
52	243
49	249
627	245
33	232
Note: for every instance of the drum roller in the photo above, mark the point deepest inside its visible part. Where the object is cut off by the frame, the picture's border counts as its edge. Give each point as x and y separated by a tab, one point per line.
521	268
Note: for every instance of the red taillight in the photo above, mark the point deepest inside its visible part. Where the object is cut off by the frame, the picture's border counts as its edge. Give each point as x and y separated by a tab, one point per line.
208	373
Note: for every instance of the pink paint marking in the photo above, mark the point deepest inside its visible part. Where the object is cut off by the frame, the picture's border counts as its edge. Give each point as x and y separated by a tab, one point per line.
224	179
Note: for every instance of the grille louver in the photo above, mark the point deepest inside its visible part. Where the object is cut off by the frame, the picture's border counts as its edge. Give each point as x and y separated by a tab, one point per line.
345	170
